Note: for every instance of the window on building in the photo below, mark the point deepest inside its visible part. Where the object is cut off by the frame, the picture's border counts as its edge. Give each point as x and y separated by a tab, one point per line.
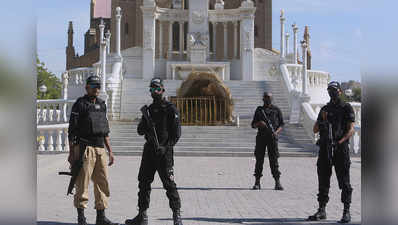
126	28
255	31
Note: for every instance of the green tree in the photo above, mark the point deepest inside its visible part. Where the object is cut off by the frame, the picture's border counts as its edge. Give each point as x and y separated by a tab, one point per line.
52	82
356	94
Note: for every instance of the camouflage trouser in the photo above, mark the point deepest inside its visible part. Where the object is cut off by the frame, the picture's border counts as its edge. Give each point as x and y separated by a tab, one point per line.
262	143
95	167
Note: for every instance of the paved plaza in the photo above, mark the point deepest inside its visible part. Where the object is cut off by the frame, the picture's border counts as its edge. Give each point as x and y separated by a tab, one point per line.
214	190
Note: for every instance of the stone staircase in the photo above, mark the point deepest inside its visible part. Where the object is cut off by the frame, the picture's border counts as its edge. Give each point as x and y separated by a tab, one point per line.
210	140
247	95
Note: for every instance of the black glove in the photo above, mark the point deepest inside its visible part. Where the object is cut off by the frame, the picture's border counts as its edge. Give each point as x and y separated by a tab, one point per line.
162	150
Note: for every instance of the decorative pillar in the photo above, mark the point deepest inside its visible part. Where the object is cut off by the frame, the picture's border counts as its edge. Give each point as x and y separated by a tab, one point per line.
287	35
101	28
305	76
173	72
148	64
282	42
118	22
295	53
65	95
214	37
225	25
170	38
235	39
108	42
247	11
160	39
103	66
181	39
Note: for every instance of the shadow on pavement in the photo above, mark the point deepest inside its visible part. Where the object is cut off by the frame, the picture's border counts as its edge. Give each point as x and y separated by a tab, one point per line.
52	222
259	221
212	189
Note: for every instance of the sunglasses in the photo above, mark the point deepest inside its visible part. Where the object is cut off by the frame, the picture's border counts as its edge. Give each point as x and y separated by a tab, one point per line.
152	89
93	86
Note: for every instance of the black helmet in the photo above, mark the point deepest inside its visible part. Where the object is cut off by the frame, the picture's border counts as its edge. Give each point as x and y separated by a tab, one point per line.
156	82
93	80
334	85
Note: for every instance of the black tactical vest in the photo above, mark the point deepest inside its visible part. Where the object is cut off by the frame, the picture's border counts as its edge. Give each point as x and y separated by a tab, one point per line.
93	121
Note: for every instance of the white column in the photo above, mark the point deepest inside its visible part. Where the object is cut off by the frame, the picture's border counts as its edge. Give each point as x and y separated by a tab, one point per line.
247	47
235	40
305	76
148	15
65	95
170	38
101	28
225	25
103	64
118	21
181	38
108	42
173	72
282	41
160	39
287	44
295	53
214	37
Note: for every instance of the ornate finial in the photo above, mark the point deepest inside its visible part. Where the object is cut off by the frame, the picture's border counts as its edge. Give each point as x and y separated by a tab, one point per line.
307	34
282	13
108	34
118	11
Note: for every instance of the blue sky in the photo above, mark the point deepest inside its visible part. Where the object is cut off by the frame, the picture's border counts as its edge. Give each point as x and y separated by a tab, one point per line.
335	30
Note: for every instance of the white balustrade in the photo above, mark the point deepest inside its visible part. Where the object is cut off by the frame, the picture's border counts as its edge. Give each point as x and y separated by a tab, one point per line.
315	78
54	111
78	76
46	134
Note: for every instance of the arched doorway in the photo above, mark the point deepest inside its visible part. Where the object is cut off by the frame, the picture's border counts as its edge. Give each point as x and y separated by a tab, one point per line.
204	100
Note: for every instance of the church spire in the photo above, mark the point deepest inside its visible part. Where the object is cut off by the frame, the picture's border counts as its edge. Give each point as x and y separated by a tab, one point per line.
70	34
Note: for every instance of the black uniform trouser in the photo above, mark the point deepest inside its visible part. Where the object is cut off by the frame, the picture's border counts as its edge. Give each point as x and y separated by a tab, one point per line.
341	161
163	164
263	142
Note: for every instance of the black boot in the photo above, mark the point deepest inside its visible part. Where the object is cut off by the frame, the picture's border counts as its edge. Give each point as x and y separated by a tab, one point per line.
257	185
177	217
278	185
102	220
319	215
140	219
346	214
81	220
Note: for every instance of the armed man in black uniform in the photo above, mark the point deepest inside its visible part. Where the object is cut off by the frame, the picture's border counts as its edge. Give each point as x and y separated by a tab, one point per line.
88	133
335	124
162	132
269	121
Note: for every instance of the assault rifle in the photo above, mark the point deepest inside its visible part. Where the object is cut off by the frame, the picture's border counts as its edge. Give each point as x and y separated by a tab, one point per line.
152	130
331	143
269	124
75	168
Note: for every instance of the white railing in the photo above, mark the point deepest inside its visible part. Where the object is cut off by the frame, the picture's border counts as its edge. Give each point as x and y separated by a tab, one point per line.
52	138
78	76
292	74
54	111
318	79
315	78
310	114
